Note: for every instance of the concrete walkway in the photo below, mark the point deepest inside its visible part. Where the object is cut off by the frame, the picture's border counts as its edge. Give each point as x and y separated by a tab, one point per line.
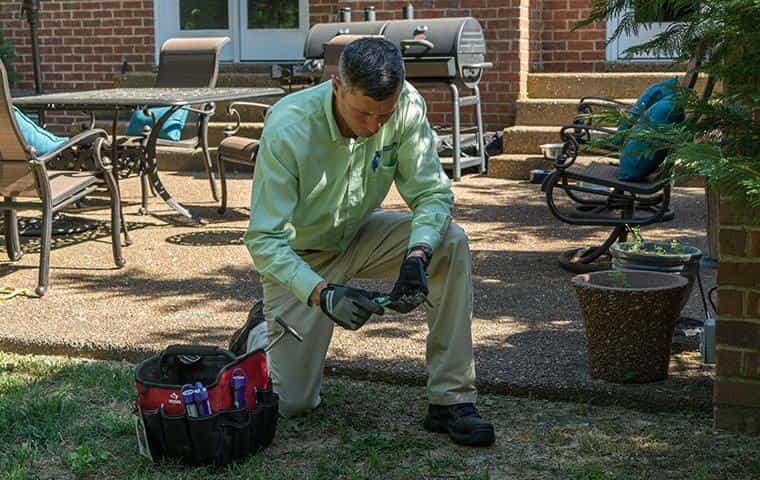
195	284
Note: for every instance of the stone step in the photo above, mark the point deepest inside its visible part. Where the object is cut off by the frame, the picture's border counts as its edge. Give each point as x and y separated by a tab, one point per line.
526	139
578	85
225	79
547	111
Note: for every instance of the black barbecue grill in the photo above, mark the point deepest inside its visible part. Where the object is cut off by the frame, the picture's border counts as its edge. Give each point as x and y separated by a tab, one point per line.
436	50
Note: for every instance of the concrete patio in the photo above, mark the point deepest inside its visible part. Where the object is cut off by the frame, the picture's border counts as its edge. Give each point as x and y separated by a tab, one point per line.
195	284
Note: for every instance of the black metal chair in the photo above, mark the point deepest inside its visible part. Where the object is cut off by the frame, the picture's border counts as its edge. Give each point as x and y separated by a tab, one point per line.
25	175
234	149
598	198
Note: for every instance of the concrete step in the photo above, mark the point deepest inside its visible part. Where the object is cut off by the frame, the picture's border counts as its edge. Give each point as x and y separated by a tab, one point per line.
578	85
548	111
526	139
518	166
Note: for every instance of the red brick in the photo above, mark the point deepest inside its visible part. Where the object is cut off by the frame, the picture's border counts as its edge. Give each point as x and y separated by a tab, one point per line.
729	363
730	302
733	242
738	333
751	365
753	305
739	274
754	245
740	393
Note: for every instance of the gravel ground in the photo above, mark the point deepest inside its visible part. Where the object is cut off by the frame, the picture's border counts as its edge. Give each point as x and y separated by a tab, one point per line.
184	283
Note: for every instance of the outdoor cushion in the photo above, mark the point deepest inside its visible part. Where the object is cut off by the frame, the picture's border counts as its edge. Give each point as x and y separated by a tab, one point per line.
637	160
649	97
172	129
35	136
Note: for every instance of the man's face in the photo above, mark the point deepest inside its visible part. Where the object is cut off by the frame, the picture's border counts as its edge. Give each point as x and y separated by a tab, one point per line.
359	115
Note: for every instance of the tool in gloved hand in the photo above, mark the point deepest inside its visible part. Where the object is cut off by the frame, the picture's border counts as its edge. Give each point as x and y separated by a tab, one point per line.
411	289
349	307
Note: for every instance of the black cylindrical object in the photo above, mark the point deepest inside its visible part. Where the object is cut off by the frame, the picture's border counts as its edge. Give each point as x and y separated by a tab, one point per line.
345	14
321	33
369	14
407	12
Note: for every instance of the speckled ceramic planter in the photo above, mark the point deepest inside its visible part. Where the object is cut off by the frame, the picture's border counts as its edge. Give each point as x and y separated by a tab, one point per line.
629	317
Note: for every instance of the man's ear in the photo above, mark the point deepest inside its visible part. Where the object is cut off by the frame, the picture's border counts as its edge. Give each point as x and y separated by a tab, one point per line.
336	84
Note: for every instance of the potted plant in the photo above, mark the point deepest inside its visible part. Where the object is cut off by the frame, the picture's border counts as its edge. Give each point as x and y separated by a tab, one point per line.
629	318
667	257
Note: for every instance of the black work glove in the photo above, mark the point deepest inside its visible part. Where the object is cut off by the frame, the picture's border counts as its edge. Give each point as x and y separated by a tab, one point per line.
411	289
349	307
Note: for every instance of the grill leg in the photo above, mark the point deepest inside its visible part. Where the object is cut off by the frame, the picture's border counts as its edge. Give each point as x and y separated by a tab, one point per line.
457	147
479	120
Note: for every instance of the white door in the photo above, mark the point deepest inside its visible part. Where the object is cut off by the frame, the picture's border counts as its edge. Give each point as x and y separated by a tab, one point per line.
259	30
273	29
649	28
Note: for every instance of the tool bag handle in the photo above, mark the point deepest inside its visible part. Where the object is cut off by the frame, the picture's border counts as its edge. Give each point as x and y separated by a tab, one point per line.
202	350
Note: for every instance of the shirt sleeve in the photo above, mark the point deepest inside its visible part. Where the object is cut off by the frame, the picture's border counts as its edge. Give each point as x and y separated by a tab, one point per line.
420	179
273	199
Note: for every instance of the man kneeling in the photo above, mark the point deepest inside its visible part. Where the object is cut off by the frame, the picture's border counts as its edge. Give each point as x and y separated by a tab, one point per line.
327	158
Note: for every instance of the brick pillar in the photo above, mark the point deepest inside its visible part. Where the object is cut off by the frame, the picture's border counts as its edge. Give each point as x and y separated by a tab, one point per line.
736	395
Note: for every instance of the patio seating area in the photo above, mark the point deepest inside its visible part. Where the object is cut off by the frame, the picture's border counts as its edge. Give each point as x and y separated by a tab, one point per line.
185	283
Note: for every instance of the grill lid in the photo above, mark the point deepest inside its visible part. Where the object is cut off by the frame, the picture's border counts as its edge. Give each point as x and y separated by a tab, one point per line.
322	33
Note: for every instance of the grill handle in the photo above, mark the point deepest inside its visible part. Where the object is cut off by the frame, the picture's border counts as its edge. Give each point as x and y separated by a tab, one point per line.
416	42
478	65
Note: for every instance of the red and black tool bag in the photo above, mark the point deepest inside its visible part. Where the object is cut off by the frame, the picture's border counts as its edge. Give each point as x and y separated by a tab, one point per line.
228	434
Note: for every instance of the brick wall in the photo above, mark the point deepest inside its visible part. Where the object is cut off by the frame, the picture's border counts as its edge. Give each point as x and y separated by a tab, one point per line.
563	50
82	43
737	387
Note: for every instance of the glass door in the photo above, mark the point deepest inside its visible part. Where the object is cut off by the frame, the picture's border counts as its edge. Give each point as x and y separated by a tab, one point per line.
649	28
197	18
273	30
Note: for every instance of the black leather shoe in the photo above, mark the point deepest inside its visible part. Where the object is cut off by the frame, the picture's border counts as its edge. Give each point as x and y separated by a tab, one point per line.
239	341
462	422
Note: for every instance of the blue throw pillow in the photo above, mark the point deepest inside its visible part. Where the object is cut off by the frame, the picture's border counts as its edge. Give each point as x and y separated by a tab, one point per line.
172	129
637	160
649	97
35	136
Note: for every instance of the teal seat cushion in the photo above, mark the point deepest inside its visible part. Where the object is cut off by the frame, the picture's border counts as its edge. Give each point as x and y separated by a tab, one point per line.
649	97
638	159
35	136
172	129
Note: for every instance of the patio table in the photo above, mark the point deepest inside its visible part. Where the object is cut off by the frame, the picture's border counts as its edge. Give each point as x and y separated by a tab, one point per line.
120	99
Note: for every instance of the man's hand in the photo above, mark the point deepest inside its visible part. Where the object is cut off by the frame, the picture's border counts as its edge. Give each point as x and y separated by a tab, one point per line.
349	307
411	287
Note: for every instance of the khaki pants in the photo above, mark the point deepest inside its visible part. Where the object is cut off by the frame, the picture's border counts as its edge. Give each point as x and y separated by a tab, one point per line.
377	252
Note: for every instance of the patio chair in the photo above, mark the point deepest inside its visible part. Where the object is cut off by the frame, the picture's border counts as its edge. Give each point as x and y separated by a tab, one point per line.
183	63
24	175
601	199
235	149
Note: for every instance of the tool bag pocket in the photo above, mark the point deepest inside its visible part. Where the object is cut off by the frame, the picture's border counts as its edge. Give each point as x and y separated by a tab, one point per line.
224	437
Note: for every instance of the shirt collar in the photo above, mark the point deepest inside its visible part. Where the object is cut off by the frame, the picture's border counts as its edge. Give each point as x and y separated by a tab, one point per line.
331	122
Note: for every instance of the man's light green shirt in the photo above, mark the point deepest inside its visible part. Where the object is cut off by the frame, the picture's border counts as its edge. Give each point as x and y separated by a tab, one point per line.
313	188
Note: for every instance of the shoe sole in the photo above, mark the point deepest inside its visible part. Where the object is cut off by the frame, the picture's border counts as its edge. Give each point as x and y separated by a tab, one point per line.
482	437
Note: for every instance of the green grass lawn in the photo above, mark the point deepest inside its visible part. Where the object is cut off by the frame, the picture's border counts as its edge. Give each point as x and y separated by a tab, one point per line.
63	418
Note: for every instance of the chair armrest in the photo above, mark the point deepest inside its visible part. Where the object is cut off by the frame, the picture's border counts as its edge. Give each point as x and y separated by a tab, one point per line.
231	110
73	141
603	102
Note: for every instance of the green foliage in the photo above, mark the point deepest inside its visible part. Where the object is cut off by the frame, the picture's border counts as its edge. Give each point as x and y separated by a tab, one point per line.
7	54
720	138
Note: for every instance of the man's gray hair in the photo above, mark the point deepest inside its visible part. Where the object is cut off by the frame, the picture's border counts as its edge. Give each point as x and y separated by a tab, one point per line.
373	66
